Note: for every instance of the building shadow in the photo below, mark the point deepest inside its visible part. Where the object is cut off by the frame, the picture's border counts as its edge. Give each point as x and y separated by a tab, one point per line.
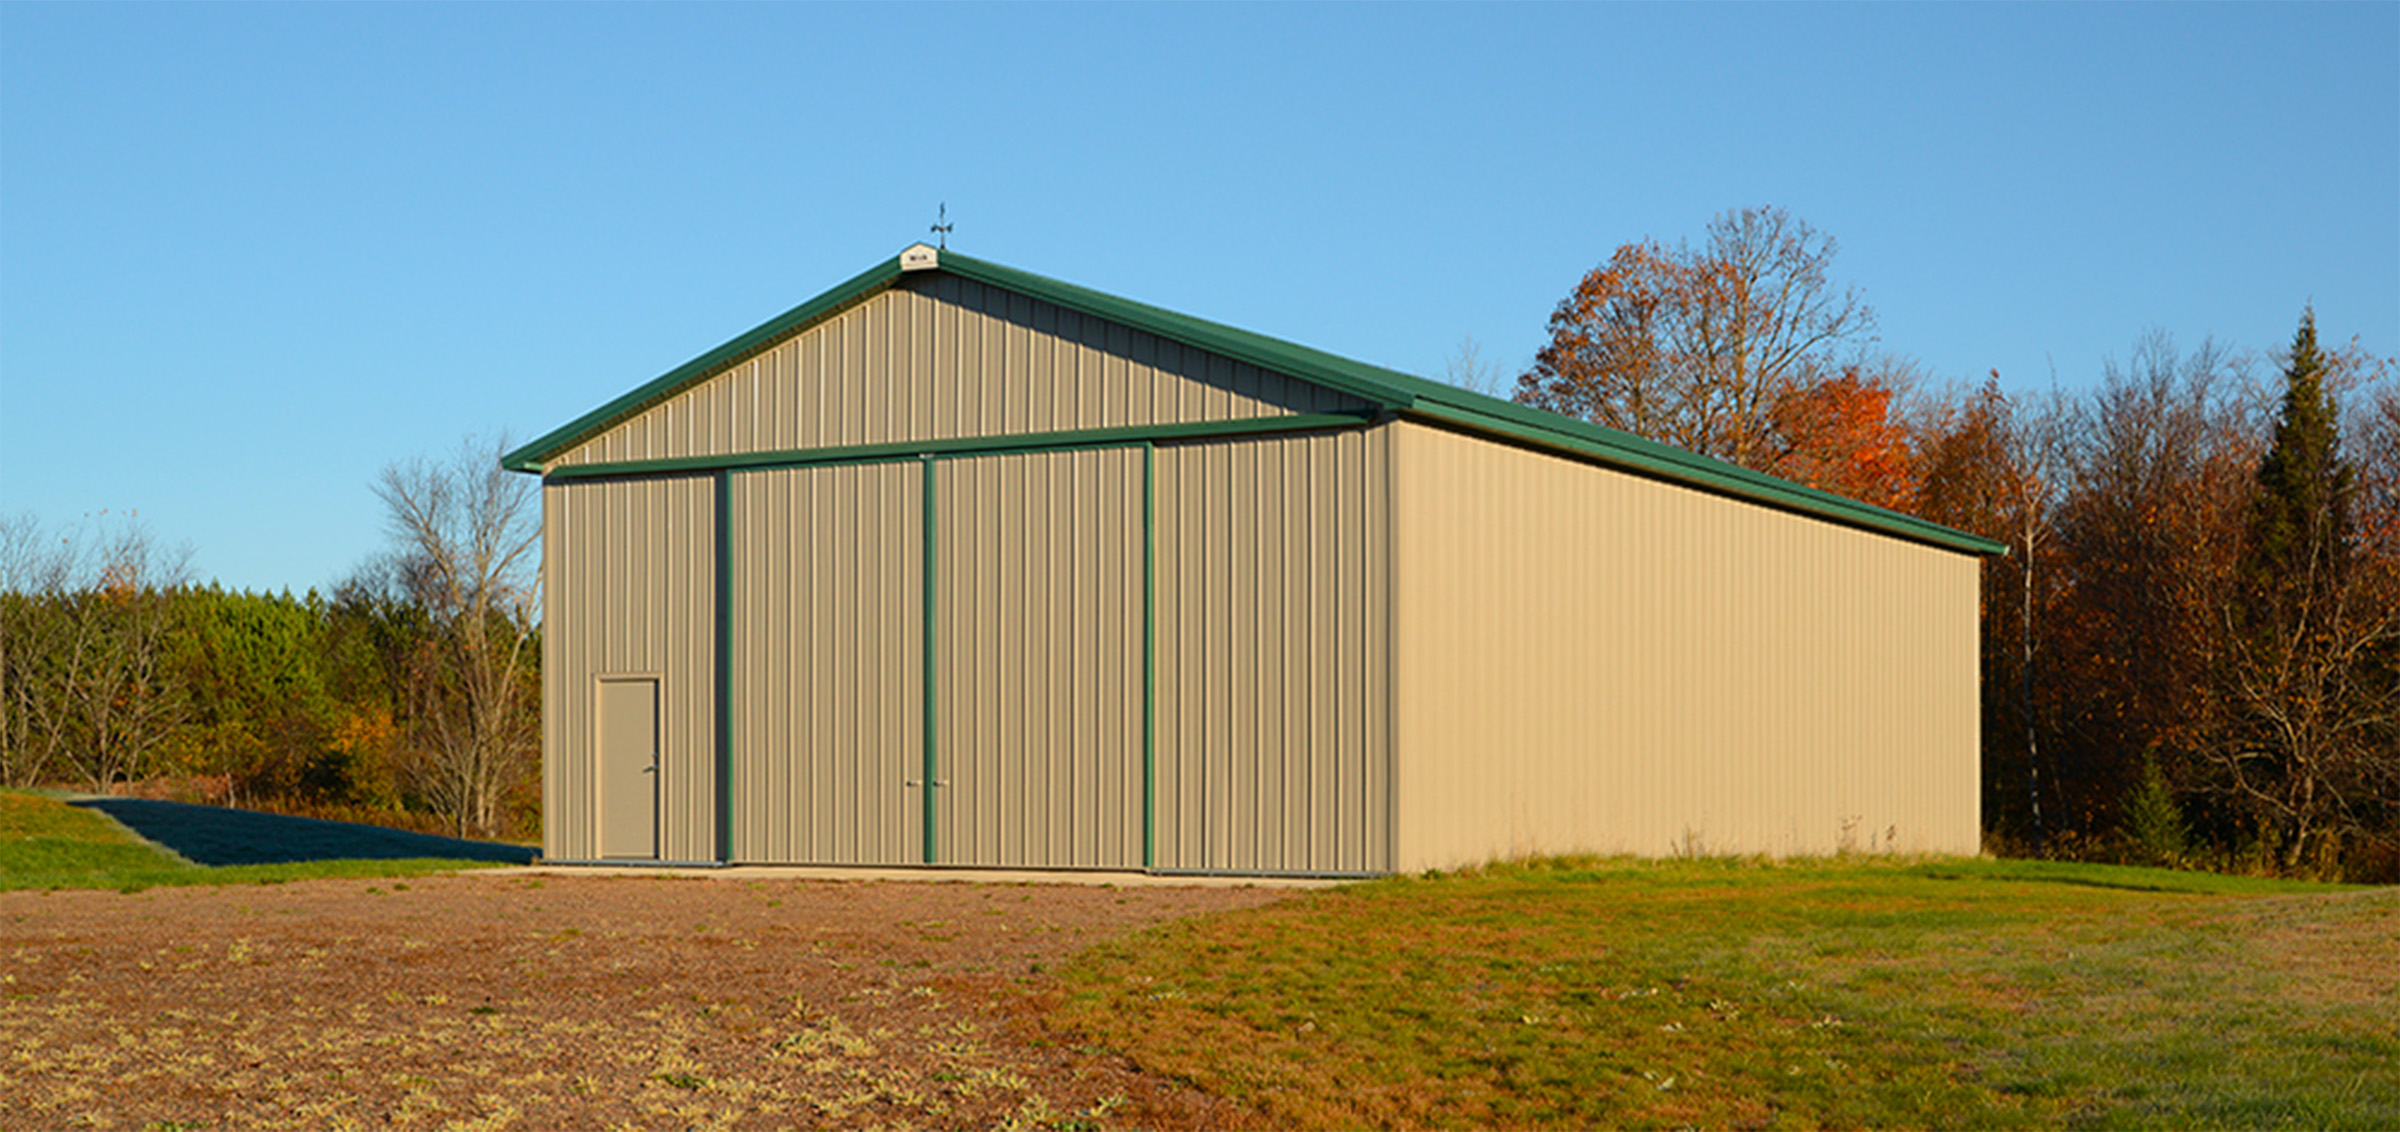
216	835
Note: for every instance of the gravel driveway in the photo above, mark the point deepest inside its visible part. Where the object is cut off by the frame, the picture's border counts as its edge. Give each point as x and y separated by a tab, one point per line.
493	1001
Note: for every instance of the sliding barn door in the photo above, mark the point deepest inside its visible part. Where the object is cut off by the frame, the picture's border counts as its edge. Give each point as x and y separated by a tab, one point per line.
1038	689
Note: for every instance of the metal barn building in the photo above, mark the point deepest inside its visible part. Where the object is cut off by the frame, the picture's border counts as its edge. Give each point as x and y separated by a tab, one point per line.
959	565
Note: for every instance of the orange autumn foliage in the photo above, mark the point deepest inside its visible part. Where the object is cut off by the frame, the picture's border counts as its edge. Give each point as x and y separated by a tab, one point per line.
1842	438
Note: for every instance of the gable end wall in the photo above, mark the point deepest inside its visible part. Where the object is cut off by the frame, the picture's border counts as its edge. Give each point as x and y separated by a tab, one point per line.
937	357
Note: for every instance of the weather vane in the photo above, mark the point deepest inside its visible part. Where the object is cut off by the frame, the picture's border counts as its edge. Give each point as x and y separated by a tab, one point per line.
942	227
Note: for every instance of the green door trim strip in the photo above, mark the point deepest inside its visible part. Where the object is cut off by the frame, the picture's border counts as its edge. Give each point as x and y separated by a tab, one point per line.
1149	655
723	540
932	715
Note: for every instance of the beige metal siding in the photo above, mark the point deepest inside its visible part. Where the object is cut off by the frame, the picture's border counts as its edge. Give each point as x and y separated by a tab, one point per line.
939	357
1272	744
1039	659
1588	661
629	590
828	629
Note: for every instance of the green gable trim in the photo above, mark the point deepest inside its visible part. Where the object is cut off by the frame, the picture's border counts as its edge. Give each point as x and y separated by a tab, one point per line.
963	446
861	287
1384	390
1368	383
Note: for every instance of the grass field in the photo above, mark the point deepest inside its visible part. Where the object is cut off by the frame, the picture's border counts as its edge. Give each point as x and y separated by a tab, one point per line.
45	843
1725	994
1846	993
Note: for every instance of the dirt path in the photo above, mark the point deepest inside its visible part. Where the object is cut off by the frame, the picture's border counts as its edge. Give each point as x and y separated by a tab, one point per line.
554	1002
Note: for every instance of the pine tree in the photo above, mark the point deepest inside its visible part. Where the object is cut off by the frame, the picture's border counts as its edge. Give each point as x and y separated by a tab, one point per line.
2292	663
2300	518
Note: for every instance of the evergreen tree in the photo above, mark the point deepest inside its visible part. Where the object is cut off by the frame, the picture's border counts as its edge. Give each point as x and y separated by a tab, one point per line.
2300	518
2302	747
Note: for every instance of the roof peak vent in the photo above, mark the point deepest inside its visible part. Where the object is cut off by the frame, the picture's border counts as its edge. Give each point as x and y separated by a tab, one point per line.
919	257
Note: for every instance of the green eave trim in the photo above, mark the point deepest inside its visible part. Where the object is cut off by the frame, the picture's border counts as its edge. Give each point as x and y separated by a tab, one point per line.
970	445
1625	450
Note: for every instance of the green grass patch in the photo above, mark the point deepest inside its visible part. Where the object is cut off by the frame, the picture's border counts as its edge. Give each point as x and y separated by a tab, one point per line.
48	844
1953	994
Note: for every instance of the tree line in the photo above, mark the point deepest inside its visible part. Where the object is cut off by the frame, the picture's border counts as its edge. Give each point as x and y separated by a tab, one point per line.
409	696
2191	654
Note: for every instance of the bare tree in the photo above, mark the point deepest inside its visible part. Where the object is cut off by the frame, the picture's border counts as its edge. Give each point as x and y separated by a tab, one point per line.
1467	370
2036	437
467	537
1703	348
2314	757
2159	472
36	573
2378	453
128	706
84	627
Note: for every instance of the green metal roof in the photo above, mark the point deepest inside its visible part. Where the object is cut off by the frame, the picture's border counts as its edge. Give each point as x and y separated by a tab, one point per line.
1386	390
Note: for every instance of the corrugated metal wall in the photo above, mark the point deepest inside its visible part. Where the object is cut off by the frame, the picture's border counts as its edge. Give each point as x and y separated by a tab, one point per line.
629	589
1272	742
827	620
1376	648
938	357
1590	661
1038	701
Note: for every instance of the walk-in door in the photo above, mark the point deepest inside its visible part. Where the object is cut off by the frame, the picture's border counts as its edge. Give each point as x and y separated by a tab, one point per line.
628	739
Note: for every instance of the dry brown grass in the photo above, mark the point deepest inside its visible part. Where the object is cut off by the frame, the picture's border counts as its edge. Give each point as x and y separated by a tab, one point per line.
489	1001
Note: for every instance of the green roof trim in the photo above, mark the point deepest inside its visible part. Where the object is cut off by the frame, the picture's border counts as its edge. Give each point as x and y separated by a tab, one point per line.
533	456
1640	454
1386	390
1365	382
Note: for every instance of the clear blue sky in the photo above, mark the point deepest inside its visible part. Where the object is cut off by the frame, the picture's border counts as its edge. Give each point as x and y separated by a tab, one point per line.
251	254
